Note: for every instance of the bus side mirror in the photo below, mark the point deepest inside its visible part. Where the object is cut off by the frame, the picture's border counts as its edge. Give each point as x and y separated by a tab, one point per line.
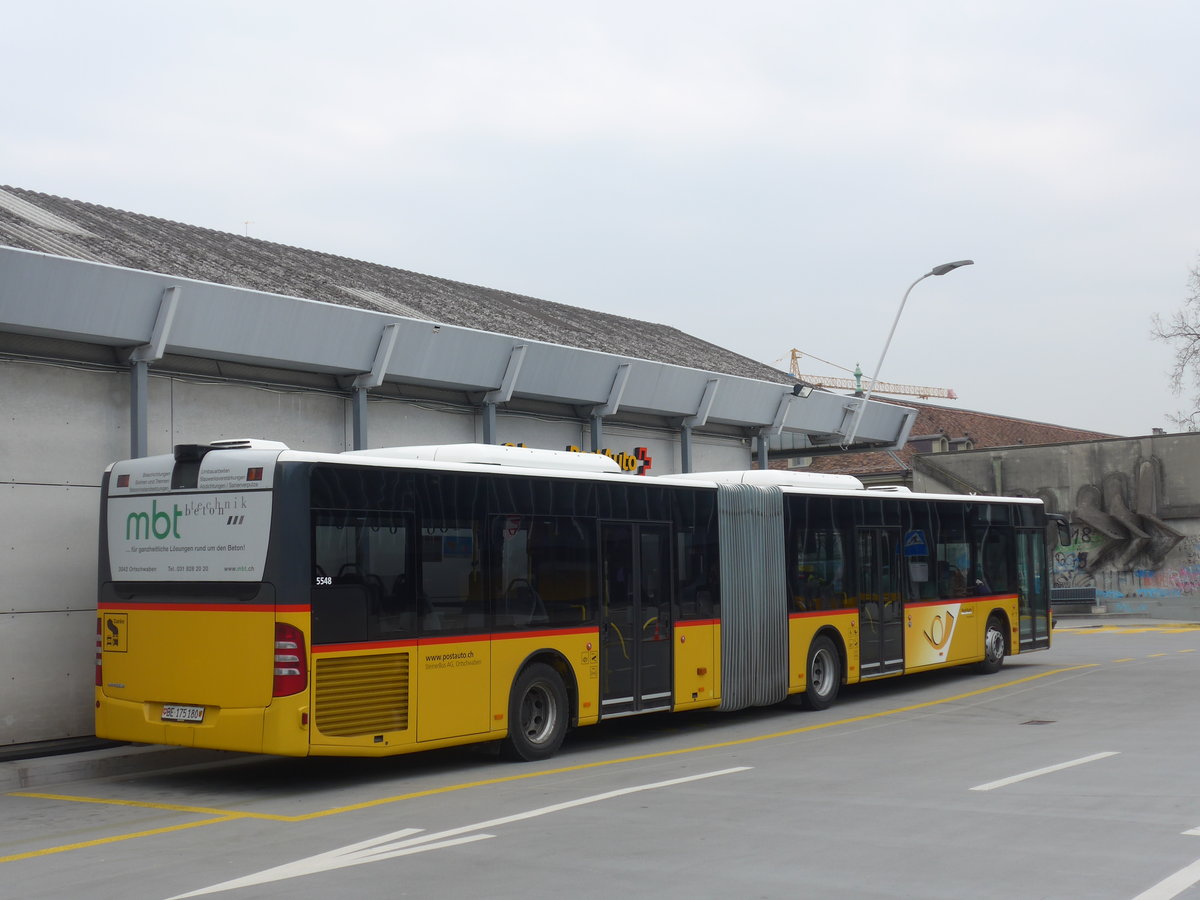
1064	528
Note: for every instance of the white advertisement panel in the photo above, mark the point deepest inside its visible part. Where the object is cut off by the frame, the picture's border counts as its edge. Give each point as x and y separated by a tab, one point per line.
189	536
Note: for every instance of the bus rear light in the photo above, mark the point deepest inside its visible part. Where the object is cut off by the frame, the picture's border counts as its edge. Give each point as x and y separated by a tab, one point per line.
291	667
99	655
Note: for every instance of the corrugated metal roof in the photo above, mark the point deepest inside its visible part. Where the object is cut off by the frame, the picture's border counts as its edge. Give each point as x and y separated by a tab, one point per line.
36	215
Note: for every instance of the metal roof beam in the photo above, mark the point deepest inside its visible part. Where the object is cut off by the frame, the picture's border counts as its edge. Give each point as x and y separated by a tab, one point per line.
383	358
508	383
781	413
610	407
700	417
153	351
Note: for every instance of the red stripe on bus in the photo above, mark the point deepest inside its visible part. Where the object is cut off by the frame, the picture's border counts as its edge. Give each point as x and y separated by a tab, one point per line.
193	607
450	639
691	623
455	639
823	612
555	632
365	645
972	599
209	607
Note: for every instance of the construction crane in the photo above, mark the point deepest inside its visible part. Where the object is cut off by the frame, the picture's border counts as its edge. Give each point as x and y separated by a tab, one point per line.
855	383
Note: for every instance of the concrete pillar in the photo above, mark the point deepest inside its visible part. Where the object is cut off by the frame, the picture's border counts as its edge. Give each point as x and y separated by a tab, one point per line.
685	448
359	401
489	423
139	389
597	432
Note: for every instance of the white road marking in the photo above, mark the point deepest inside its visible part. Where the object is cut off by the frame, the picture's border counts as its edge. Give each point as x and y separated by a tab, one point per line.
1173	885
389	846
1003	782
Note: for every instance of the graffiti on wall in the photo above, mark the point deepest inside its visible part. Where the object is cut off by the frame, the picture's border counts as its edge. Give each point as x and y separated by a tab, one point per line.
1071	560
1120	546
1072	568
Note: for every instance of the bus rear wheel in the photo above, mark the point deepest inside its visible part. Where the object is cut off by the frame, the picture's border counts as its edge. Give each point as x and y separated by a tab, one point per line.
823	674
993	646
537	714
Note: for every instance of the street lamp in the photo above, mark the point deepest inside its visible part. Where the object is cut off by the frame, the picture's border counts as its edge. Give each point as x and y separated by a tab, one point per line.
862	407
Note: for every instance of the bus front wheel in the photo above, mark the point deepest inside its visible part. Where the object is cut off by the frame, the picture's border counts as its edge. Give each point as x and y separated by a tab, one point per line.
823	675
993	646
537	714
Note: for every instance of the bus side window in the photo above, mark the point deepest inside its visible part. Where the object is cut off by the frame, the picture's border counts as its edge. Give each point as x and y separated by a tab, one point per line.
359	559
994	552
449	599
697	564
545	572
953	551
817	561
922	572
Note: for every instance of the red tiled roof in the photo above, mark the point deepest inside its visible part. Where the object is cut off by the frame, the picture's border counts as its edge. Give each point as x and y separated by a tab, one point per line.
983	430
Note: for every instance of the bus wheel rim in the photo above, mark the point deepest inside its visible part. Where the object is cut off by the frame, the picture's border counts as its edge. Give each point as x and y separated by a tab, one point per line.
995	644
822	672
538	714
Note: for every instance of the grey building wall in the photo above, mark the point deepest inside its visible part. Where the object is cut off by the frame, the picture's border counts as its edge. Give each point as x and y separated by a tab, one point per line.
1134	506
60	426
65	422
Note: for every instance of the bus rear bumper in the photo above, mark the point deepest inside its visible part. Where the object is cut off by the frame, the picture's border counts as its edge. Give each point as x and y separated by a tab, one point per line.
240	730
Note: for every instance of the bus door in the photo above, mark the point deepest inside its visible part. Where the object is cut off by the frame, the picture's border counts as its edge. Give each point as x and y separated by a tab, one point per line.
1033	590
880	602
635	618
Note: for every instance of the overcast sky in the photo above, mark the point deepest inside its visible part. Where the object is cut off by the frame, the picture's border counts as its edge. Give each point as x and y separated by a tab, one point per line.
764	175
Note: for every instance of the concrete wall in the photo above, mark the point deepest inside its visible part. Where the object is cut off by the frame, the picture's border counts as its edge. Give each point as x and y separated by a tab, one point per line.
62	426
1134	505
64	423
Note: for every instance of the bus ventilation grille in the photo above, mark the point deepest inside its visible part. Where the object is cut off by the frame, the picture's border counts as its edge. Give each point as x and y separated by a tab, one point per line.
358	695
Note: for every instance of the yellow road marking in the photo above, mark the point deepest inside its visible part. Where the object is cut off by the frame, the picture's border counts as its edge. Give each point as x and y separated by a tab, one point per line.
1124	659
170	807
115	838
1191	650
1176	628
232	815
1155	655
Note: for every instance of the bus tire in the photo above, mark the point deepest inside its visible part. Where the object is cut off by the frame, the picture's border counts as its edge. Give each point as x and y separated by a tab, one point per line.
537	714
823	675
993	646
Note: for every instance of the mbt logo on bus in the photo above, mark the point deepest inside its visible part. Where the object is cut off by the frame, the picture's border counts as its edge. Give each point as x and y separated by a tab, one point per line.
159	524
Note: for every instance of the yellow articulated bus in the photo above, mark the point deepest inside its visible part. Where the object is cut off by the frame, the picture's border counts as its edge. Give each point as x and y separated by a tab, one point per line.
368	603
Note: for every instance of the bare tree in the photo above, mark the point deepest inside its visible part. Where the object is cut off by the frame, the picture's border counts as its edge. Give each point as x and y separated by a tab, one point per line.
1182	330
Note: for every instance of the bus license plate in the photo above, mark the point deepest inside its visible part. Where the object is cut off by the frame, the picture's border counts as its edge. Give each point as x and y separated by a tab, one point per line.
175	713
